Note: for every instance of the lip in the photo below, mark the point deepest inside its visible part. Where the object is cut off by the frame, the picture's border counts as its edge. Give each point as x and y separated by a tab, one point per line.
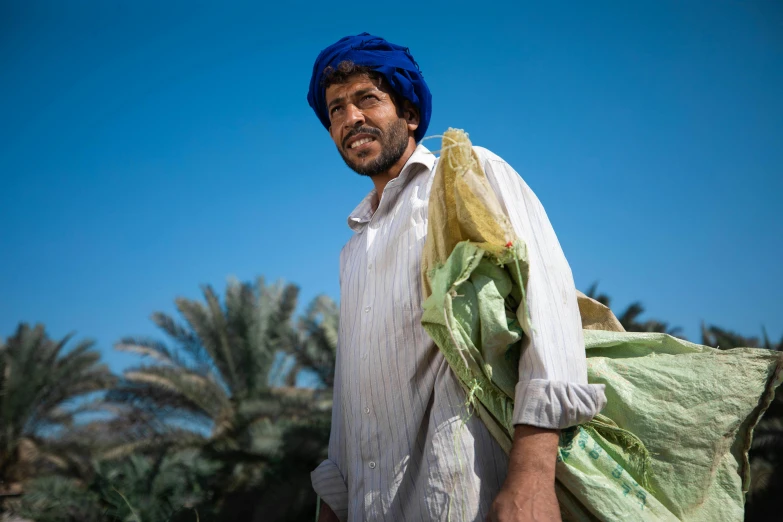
358	137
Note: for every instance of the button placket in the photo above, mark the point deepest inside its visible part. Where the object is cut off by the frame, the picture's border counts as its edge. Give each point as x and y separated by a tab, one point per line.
366	370
368	452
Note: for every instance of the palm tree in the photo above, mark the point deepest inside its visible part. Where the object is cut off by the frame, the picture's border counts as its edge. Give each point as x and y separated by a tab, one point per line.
157	488
315	349
629	317
215	382
56	498
43	389
725	339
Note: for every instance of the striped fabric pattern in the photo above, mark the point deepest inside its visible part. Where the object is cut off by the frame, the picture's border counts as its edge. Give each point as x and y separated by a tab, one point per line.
403	445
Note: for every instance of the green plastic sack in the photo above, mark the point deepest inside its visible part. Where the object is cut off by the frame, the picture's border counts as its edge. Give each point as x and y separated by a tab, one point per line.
672	442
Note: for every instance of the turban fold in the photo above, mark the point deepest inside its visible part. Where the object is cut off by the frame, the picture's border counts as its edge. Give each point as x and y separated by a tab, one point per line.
394	62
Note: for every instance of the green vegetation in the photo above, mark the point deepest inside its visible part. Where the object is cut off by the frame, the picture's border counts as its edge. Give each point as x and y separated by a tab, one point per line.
209	425
40	386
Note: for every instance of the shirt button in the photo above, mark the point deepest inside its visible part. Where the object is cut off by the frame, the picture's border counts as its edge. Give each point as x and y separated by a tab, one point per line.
367	411
367	310
364	356
372	465
369	267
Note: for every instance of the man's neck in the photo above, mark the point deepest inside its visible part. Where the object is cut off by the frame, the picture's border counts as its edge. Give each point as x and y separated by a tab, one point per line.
381	180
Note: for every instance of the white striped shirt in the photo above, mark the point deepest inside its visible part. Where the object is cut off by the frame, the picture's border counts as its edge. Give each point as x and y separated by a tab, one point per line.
398	448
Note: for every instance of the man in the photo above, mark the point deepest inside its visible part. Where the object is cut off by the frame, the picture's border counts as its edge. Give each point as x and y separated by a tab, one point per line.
399	449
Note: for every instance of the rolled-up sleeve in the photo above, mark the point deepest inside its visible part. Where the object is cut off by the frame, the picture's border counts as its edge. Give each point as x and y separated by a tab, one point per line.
552	391
328	481
329	484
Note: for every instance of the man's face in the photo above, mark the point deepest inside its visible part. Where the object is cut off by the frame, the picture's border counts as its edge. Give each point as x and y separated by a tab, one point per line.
367	128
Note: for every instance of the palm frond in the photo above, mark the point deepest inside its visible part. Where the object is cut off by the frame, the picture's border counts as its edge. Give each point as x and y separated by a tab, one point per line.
630	314
725	339
191	390
592	293
147	348
44	386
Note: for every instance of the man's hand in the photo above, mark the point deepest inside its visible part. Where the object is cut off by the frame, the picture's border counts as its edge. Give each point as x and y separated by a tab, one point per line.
528	494
326	514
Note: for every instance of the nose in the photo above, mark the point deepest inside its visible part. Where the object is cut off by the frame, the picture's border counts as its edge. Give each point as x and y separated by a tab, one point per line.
353	116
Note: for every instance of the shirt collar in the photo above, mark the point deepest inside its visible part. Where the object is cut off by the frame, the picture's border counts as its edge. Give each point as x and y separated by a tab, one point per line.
362	214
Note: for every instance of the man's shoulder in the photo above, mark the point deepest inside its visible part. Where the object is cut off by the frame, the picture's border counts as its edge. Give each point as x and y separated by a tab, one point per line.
500	173
496	167
485	154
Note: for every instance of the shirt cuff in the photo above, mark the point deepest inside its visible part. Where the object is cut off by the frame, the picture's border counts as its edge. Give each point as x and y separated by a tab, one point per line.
329	484
555	404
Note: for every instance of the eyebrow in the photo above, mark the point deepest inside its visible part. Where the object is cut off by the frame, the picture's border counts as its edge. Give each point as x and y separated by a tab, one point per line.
358	93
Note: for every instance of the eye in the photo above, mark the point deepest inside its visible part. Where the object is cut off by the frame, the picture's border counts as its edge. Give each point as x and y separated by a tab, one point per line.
334	110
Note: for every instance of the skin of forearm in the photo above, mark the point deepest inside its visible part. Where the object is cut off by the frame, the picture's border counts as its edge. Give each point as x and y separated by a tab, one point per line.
531	463
326	514
533	455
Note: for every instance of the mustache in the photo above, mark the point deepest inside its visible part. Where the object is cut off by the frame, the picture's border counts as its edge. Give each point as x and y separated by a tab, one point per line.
362	130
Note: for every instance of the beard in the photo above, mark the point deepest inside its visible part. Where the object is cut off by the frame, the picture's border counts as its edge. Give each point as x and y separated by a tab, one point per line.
393	141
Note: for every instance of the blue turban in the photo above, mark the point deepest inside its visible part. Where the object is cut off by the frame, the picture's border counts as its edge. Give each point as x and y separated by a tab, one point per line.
394	62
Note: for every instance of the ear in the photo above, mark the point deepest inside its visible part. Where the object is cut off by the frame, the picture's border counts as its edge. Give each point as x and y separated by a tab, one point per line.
411	115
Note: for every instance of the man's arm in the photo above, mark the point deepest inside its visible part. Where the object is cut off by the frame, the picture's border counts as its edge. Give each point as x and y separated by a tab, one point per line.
325	513
330	487
529	490
553	392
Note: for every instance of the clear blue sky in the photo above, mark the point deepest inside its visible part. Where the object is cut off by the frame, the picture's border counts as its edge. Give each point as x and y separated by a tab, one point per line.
146	150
